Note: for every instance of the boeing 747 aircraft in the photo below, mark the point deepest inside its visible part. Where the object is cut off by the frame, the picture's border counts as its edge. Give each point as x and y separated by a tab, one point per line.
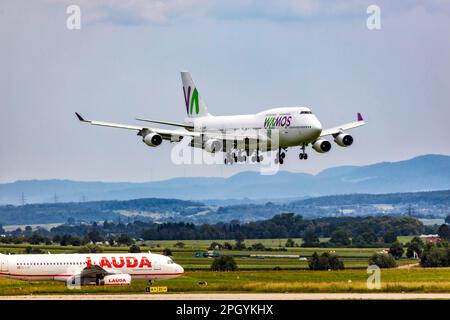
241	136
89	269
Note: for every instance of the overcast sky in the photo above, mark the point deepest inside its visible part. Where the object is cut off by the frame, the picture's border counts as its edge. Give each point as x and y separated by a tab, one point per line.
245	56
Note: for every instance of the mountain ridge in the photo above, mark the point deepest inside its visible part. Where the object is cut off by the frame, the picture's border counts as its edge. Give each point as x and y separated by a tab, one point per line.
422	173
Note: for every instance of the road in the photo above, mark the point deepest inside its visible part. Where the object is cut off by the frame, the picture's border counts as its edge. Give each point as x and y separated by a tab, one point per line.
238	296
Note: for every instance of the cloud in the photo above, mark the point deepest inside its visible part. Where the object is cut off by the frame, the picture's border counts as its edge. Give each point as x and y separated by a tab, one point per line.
161	12
136	12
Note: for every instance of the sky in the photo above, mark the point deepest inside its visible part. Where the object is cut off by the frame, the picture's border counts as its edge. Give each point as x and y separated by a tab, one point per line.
245	56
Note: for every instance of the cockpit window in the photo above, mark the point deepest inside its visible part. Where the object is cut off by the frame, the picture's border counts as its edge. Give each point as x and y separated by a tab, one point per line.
305	112
169	261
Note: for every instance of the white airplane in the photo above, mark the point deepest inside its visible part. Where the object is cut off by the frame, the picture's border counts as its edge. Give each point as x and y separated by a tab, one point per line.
240	136
89	269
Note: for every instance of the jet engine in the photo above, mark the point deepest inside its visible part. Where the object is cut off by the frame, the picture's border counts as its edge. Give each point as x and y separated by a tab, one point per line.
321	146
343	139
152	139
213	145
116	280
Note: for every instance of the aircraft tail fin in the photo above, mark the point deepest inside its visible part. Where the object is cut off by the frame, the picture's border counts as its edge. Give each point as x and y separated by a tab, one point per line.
195	106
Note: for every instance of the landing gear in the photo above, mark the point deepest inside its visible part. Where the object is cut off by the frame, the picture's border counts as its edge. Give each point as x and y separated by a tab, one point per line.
151	282
303	155
256	157
235	157
280	156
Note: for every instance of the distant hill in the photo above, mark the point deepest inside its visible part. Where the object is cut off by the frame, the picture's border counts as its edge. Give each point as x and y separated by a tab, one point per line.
423	173
421	204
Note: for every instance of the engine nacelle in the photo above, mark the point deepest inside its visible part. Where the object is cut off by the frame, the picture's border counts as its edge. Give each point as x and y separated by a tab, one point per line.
213	145
152	139
116	280
343	139
322	146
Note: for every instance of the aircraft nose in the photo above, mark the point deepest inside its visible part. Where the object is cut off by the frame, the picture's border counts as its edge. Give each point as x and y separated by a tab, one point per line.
179	269
316	127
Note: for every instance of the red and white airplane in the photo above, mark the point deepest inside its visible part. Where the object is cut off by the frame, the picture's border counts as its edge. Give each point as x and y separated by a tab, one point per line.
89	269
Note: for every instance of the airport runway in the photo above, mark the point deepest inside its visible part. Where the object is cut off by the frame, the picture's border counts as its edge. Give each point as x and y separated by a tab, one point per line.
239	296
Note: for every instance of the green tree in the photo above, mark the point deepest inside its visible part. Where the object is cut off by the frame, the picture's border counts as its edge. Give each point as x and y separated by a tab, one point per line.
240	245
224	263
111	240
66	240
310	236
31	250
383	260
326	261
435	256
416	245
94	236
167	252
215	246
389	237
75	241
227	246
125	239
290	243
179	245
90	248
359	241
134	248
56	239
444	232
258	246
340	237
396	250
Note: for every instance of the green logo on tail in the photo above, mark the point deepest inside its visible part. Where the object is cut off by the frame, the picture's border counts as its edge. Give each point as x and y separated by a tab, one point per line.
194	100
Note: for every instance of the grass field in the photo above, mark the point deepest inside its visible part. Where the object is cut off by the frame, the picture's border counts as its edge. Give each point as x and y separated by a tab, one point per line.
254	275
392	280
352	257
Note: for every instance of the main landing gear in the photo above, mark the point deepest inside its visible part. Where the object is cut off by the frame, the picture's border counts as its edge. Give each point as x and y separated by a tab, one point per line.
256	157
303	155
235	157
280	156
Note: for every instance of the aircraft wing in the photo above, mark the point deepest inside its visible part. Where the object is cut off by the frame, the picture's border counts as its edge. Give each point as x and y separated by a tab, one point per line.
172	135
92	271
336	130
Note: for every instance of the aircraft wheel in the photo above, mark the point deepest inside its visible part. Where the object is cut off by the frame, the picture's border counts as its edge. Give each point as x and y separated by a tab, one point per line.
281	160
305	156
300	156
282	155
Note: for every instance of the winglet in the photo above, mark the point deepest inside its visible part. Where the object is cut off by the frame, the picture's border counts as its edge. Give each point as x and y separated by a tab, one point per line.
360	118
80	117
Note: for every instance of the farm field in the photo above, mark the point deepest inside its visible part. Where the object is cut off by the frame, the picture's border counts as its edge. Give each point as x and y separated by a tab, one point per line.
393	280
246	260
269	274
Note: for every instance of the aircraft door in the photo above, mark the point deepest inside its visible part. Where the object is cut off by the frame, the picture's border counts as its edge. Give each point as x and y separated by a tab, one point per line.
4	265
157	265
